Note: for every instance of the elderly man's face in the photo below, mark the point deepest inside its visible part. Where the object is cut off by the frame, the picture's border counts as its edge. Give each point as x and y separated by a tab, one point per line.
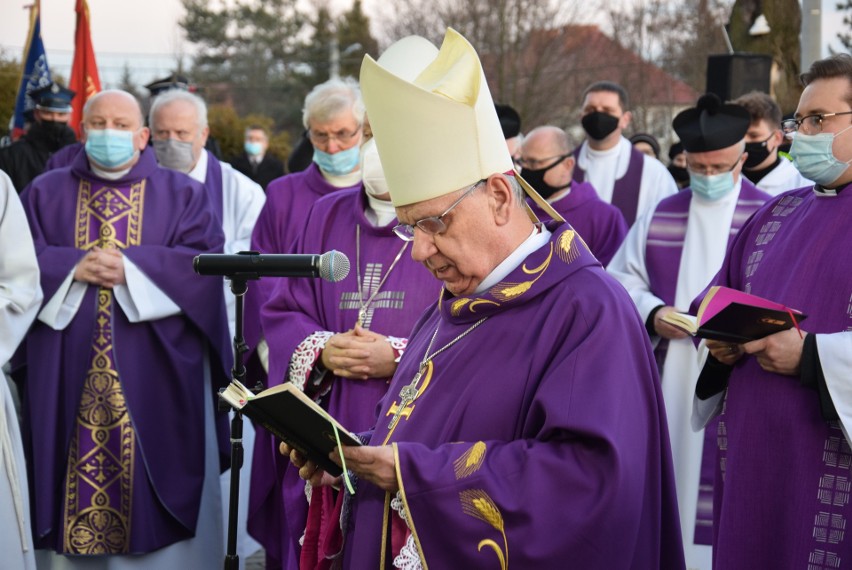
717	161
179	120
461	256
117	111
341	132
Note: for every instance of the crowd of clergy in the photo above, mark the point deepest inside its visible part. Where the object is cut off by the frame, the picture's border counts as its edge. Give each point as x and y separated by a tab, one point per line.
499	346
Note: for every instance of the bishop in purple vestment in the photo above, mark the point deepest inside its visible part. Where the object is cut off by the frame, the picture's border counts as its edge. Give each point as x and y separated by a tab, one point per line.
524	426
124	347
782	496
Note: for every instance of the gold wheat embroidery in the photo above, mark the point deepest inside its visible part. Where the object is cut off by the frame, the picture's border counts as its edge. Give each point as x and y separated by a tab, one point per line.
569	246
458	305
470	461
477	503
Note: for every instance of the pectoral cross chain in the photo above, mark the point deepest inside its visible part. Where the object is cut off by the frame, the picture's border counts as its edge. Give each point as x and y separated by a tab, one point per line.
406	397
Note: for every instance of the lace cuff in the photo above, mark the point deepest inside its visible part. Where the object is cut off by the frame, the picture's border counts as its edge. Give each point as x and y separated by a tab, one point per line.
408	557
301	371
398	345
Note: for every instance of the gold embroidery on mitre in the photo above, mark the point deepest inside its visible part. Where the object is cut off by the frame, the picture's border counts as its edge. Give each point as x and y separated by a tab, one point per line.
477	503
569	246
470	461
458	305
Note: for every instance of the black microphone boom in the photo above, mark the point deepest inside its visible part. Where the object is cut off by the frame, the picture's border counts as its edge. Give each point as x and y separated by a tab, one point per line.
331	266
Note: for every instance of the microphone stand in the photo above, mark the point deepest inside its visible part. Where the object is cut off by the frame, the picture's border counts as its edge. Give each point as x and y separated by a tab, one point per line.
239	286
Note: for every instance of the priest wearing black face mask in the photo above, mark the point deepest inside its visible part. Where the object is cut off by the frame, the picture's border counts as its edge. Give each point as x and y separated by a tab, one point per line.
547	164
48	132
764	167
622	176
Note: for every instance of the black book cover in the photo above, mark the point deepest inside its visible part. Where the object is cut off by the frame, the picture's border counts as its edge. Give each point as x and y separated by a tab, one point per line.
739	323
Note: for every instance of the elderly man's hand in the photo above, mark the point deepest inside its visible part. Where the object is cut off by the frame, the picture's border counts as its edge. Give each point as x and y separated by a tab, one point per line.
359	354
103	267
780	353
308	470
374	464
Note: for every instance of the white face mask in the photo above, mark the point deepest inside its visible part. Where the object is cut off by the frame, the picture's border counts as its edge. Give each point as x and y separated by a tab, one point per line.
371	170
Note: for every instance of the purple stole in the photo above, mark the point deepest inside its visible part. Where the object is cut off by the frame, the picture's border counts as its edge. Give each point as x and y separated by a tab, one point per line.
625	191
213	183
663	252
100	475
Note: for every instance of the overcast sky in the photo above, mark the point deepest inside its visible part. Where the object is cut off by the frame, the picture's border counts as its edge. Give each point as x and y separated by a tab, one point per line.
144	35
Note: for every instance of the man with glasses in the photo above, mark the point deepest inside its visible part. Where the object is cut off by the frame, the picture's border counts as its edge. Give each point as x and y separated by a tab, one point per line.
782	498
510	435
547	164
764	167
666	260
333	116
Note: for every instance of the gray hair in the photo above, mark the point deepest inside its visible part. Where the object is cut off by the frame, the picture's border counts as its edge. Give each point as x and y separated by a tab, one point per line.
330	99
173	95
88	104
518	191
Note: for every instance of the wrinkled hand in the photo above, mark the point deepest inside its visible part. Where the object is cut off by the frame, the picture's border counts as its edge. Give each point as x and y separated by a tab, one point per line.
103	267
308	470
374	464
725	352
359	353
780	353
663	328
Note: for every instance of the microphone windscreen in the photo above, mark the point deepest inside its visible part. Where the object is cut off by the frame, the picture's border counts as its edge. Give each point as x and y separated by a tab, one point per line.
333	266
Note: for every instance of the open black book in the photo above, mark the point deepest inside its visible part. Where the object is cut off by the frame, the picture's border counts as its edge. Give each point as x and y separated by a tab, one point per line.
297	420
729	315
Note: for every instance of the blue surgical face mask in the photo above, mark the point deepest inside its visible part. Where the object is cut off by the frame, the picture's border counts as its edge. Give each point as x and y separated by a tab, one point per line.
813	157
339	163
253	148
711	187
110	148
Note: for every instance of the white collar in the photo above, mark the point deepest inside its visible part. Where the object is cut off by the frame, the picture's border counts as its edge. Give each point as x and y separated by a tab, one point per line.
344	180
538	238
199	172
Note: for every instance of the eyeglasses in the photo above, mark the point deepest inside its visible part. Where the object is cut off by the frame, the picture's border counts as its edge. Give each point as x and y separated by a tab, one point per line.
810	125
711	170
433	224
536	164
343	137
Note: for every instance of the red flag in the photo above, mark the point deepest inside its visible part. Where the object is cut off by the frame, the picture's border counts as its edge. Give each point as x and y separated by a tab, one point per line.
84	71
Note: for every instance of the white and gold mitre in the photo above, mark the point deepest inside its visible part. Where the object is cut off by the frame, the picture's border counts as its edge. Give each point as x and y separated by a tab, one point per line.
438	132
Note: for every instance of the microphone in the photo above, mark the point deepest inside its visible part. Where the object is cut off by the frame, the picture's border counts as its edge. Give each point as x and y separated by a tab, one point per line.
332	266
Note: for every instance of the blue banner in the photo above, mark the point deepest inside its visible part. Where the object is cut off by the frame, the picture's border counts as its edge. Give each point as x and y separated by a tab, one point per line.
36	73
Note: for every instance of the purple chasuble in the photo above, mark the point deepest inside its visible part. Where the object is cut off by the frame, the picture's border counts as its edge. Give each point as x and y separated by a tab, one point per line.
527	444
782	496
114	409
625	191
601	225
282	219
64	156
300	307
663	252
